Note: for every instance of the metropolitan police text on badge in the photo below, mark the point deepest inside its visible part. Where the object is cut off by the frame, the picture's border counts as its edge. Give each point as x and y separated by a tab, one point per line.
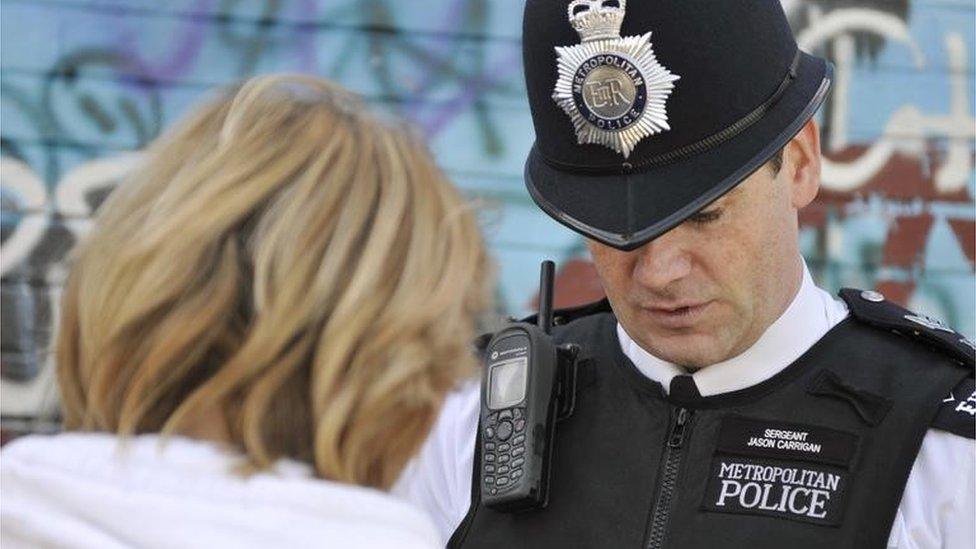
609	91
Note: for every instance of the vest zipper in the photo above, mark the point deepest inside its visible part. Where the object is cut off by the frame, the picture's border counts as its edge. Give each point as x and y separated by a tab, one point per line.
669	476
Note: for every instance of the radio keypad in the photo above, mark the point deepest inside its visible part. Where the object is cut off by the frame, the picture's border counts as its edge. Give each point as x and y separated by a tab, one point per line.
504	430
504	449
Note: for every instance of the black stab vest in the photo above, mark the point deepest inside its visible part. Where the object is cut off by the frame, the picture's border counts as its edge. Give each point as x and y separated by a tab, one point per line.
816	456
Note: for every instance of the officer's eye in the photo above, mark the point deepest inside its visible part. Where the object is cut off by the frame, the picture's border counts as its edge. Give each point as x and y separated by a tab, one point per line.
703	218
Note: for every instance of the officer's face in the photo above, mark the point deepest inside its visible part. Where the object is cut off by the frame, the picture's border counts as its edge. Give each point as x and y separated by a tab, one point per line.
705	291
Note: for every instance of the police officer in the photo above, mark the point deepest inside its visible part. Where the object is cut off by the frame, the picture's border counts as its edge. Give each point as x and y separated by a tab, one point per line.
723	400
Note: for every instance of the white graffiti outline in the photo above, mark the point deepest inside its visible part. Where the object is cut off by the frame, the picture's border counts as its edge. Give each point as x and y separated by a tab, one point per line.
908	128
19	179
96	174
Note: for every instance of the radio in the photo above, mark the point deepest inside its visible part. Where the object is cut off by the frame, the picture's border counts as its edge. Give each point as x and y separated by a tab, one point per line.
528	385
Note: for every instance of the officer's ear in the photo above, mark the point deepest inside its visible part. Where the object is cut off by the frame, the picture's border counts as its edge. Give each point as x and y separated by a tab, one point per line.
801	165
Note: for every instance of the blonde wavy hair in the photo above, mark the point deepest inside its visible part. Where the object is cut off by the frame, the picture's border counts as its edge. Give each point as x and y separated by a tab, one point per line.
289	262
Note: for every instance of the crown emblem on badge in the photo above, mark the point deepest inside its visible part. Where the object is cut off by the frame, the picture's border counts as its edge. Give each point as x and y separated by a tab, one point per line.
613	88
596	19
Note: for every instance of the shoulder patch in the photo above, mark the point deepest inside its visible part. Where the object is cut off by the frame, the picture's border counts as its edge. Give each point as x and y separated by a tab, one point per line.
569	314
957	414
872	308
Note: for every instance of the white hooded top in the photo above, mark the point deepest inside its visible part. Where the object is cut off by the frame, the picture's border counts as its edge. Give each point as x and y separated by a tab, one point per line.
84	490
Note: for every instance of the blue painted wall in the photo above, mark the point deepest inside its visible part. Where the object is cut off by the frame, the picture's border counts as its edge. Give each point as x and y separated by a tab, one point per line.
84	81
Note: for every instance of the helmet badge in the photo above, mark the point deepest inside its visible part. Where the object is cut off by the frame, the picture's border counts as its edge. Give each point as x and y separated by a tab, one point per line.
613	88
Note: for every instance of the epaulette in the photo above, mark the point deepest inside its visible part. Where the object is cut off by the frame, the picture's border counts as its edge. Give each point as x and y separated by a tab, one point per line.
870	307
957	413
569	314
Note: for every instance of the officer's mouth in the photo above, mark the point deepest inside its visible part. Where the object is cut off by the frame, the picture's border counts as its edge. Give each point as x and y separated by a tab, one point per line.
681	315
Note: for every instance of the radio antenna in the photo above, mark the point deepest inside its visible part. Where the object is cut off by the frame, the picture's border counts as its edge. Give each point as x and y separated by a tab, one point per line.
546	283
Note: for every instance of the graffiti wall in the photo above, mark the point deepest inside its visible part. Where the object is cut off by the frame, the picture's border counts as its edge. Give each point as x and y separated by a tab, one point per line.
84	84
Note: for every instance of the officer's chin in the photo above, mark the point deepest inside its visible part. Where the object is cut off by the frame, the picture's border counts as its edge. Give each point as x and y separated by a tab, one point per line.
691	349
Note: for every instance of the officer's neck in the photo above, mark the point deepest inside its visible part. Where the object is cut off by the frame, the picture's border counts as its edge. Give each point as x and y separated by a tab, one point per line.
775	302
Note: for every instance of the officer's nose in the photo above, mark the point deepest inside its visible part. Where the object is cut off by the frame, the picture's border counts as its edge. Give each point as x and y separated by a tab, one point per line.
662	261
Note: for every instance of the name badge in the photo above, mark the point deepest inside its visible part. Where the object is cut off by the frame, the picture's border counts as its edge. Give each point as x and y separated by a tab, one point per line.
783	470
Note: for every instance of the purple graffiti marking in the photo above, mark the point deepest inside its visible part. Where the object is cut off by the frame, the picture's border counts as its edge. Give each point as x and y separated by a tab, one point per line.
474	88
179	62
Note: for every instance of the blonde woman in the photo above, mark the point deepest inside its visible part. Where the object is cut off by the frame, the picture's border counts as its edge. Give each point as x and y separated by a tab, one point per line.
256	337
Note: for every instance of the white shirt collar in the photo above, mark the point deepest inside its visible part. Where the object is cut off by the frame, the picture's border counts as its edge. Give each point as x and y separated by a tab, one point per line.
812	313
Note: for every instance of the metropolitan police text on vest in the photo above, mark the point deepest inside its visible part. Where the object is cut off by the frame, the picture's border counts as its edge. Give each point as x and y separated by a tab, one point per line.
792	490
